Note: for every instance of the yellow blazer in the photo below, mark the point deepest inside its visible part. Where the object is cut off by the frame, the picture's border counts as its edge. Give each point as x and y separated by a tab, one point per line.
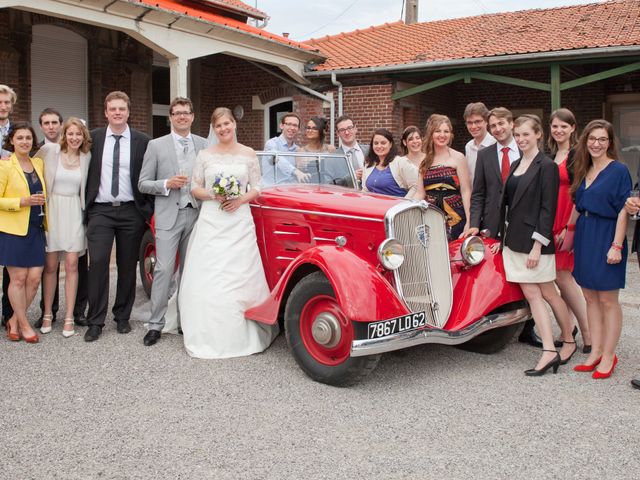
14	219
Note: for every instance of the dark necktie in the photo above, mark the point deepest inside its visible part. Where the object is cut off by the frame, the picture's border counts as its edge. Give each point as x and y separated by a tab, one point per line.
505	163
115	173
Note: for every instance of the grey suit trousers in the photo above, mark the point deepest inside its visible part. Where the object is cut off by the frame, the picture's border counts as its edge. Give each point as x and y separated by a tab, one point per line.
168	243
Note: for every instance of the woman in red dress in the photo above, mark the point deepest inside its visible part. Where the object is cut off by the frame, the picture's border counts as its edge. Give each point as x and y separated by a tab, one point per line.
563	137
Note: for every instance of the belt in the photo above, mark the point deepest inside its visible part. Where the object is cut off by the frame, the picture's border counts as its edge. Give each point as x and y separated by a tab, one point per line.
115	204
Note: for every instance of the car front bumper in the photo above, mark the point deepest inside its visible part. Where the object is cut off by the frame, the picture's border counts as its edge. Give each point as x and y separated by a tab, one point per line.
398	341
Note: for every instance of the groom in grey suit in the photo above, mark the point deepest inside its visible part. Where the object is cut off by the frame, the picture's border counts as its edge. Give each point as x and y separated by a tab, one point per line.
166	169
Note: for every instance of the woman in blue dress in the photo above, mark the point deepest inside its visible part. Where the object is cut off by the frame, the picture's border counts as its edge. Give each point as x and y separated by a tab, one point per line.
601	186
385	172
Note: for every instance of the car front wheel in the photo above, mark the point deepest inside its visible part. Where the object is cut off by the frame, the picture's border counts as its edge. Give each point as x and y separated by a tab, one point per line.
147	260
319	334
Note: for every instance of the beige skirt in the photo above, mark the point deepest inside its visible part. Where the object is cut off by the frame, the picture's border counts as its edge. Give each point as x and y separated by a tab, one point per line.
515	267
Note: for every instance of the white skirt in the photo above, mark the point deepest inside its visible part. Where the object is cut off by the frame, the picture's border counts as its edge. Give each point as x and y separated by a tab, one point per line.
515	267
65	228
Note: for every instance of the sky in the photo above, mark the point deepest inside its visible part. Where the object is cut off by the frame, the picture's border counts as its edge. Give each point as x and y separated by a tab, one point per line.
304	19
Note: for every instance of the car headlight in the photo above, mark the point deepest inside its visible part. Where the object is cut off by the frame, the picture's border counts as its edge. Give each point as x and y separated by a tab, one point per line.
391	254
472	250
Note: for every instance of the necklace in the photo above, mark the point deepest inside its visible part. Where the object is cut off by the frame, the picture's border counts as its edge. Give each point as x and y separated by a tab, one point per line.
594	172
68	161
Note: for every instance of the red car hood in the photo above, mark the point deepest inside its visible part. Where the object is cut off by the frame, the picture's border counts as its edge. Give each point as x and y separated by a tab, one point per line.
327	199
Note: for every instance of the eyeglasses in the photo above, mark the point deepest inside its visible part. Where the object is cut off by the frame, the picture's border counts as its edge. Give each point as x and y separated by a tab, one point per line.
181	114
311	128
346	129
475	123
601	140
291	125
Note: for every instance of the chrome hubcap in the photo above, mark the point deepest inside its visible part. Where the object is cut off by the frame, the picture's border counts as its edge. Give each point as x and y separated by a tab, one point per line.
149	264
326	330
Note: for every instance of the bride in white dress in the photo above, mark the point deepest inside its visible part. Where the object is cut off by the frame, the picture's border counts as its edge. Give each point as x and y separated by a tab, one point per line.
223	274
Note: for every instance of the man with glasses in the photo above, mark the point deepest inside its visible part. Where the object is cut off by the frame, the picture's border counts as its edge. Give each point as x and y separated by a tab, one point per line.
354	151
166	170
282	169
475	117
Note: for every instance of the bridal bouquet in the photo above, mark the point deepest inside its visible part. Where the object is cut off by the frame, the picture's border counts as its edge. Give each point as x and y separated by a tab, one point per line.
226	186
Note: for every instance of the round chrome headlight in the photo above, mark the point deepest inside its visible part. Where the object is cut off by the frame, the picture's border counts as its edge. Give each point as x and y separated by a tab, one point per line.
472	250
391	254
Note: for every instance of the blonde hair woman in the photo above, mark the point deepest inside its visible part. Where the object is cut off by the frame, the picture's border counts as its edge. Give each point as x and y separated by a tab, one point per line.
65	174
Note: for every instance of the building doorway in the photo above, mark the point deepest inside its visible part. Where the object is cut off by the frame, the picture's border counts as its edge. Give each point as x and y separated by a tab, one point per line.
625	117
274	111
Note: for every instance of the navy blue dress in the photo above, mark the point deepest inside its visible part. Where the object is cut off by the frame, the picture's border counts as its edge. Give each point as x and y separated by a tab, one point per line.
599	206
26	251
382	181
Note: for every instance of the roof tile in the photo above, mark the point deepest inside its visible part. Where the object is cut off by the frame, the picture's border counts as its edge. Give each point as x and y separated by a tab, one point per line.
612	23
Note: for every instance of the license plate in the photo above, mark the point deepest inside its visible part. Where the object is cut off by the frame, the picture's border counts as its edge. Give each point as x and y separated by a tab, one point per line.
397	325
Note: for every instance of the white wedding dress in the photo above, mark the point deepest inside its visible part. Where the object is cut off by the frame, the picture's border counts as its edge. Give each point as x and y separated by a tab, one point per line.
223	274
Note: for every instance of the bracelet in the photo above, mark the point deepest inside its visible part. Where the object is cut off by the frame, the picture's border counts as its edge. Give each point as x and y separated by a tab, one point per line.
616	246
571	228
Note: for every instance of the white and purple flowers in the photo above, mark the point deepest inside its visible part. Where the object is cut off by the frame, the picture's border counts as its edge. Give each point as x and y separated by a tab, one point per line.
226	186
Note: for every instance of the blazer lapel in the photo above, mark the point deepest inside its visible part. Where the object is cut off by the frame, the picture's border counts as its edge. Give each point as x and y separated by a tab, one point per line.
526	178
173	158
494	166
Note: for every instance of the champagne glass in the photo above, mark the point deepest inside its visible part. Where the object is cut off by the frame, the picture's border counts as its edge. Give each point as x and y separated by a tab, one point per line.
41	214
635	194
184	173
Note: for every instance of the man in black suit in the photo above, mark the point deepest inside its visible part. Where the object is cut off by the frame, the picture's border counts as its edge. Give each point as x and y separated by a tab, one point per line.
492	169
115	209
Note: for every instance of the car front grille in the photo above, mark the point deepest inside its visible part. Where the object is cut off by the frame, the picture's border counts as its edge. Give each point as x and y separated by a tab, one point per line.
424	279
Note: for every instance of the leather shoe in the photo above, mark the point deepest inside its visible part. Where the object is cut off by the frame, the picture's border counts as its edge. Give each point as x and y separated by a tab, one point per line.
529	335
123	326
636	383
92	333
151	337
81	321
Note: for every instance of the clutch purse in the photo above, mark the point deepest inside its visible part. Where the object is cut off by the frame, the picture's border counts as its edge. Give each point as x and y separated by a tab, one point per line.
567	243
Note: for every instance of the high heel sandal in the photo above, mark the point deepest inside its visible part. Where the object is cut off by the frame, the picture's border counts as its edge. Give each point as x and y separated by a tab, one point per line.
566	360
559	343
33	339
49	319
555	363
68	333
600	375
11	335
583	367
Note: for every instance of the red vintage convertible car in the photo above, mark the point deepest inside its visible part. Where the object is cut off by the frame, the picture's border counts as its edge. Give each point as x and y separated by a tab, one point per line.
354	275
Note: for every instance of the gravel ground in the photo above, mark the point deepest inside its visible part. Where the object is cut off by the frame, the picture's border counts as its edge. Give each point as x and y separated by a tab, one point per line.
115	409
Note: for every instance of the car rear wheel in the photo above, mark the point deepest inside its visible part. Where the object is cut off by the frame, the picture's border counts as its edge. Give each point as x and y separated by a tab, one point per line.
319	334
147	261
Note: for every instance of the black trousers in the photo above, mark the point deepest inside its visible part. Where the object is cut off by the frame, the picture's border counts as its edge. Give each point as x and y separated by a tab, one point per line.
106	223
81	296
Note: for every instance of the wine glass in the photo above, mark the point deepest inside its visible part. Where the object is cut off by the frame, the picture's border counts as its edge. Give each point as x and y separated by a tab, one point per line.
41	214
184	173
635	194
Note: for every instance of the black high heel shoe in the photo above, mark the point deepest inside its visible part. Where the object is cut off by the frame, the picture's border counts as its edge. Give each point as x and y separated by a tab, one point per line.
558	343
555	363
566	360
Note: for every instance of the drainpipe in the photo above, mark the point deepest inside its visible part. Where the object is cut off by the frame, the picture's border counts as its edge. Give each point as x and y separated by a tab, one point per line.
338	84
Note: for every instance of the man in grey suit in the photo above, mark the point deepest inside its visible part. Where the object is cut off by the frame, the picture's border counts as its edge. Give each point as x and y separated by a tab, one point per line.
355	152
166	169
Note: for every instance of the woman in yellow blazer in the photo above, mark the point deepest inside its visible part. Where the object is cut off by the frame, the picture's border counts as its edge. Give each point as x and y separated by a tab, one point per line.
22	225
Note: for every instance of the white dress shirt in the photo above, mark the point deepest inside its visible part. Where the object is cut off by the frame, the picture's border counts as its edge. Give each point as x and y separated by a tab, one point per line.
125	192
514	152
471	152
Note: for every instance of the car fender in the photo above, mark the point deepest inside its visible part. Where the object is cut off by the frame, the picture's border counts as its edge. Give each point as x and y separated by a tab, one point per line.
478	290
363	293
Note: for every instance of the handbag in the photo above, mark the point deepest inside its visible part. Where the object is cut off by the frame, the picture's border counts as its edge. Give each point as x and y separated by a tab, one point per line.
567	243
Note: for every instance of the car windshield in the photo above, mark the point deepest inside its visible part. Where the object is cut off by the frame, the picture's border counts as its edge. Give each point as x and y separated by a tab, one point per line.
278	168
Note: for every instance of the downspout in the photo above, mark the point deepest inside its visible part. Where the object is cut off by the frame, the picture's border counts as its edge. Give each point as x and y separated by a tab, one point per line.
304	88
335	82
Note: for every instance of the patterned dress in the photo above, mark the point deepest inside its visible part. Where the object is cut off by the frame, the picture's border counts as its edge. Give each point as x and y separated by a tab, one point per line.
442	188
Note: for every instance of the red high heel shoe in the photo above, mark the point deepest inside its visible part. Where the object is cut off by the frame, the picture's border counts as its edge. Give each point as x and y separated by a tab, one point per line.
11	335
587	368
599	375
32	339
